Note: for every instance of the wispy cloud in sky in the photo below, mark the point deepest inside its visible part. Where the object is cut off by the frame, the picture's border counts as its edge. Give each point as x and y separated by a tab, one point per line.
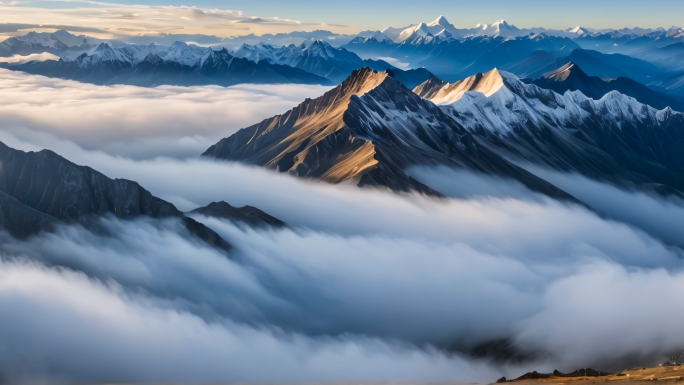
269	16
109	20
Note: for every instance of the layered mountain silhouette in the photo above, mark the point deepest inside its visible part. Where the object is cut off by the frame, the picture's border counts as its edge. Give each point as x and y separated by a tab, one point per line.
570	77
322	59
39	190
652	57
452	59
107	66
371	128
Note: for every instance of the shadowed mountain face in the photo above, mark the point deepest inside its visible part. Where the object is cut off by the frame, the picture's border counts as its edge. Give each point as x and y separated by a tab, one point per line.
453	59
611	66
570	77
370	129
41	189
249	215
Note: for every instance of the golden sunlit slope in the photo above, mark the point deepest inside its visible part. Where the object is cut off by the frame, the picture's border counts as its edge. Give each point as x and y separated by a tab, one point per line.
446	93
313	128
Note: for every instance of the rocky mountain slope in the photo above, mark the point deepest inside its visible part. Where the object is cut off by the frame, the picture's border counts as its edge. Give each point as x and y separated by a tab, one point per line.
615	138
367	131
39	190
370	129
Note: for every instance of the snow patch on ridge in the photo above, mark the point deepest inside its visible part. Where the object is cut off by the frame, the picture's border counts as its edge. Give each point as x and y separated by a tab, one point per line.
487	84
515	105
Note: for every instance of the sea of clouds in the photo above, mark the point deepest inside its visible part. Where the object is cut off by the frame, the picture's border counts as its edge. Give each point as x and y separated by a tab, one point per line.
363	285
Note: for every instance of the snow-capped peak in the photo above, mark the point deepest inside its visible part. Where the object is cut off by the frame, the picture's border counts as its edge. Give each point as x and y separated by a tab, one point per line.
421	30
504	103
441	21
448	93
377	35
104	53
184	54
258	52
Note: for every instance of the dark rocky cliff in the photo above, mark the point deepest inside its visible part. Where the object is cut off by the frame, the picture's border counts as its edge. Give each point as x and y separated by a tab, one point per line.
41	189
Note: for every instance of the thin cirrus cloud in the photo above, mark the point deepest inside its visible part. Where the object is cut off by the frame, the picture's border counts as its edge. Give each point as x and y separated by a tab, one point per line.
127	19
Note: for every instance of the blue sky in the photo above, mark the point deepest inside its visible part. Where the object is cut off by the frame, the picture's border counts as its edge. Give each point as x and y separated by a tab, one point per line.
117	17
525	13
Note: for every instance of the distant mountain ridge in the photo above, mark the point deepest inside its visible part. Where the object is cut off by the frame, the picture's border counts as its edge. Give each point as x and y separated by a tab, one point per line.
182	64
454	59
652	57
315	62
324	60
570	77
504	29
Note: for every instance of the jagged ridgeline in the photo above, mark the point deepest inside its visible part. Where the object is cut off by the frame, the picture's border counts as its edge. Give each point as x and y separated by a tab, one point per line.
41	190
371	128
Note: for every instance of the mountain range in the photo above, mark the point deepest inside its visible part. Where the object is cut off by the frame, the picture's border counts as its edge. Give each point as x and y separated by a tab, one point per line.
570	77
649	56
324	60
370	129
315	62
453	59
181	64
442	26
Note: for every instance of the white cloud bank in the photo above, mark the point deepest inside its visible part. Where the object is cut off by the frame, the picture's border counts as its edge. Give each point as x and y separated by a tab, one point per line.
27	58
139	122
59	325
356	290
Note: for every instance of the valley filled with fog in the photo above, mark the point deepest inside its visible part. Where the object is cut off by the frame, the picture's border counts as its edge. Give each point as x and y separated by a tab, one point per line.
363	284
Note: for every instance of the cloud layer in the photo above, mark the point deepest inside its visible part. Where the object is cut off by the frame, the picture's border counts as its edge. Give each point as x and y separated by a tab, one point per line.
60	325
27	58
134	121
364	285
